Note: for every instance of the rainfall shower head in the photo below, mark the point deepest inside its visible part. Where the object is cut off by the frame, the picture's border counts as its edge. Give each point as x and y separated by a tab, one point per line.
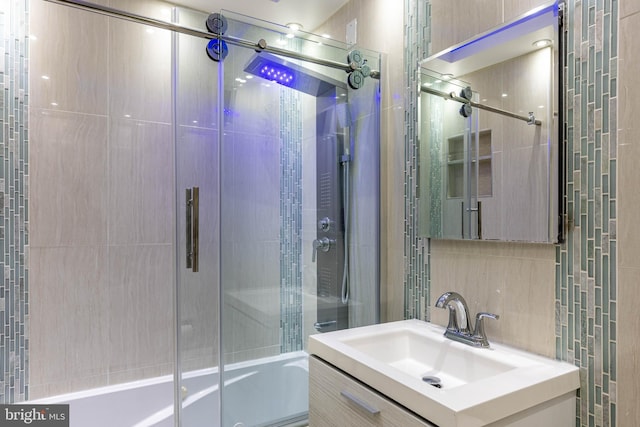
286	73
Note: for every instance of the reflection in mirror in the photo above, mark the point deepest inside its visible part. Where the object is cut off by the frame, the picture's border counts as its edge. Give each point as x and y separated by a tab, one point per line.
489	116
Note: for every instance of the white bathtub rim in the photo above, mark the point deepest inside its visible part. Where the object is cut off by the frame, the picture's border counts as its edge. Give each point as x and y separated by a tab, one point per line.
114	388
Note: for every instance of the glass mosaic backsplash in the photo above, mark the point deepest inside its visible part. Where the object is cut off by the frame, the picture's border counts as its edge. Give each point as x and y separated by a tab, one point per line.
14	288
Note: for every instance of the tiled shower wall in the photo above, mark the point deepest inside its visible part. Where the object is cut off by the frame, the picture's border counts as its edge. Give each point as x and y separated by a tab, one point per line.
14	194
576	319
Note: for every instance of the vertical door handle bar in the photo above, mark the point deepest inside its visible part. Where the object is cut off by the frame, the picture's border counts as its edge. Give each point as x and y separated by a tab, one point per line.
479	220
462	213
192	231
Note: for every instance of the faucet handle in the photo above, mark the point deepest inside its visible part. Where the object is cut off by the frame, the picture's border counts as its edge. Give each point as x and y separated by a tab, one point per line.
479	334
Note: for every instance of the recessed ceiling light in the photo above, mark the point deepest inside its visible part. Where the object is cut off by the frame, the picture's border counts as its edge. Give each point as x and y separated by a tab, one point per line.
290	36
447	76
542	43
326	36
504	95
294	26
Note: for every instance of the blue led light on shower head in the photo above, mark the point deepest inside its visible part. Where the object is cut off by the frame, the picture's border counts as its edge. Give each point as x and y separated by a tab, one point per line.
277	75
287	73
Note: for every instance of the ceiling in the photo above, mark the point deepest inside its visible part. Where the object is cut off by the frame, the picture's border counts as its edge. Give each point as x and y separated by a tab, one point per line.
309	13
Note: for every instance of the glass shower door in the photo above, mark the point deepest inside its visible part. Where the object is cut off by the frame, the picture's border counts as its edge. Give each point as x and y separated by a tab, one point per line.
197	194
299	191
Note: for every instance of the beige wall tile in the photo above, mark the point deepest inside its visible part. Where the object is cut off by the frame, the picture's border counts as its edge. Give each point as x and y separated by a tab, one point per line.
445	17
141	178
77	83
628	8
515	281
140	75
139	299
197	90
392	215
515	8
628	344
628	232
68	349
68	178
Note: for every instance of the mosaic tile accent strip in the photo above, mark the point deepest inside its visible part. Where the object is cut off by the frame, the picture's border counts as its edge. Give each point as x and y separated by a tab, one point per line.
291	322
586	293
416	249
14	288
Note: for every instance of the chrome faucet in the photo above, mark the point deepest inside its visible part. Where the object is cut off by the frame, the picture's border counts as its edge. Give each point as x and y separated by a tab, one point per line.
459	328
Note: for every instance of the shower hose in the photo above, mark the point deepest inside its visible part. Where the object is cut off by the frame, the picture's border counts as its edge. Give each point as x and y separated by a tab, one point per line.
345	203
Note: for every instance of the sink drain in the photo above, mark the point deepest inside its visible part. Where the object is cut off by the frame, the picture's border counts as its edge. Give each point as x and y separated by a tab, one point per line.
431	380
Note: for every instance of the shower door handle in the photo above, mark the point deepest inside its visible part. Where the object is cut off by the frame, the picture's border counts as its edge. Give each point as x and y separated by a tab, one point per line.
192	227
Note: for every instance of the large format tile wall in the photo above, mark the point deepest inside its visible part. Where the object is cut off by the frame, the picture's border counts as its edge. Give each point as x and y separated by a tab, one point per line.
14	197
102	174
576	319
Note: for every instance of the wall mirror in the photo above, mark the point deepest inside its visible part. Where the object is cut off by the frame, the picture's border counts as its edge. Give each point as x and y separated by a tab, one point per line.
490	163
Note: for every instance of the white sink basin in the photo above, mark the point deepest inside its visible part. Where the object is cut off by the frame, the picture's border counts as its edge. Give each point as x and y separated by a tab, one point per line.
478	386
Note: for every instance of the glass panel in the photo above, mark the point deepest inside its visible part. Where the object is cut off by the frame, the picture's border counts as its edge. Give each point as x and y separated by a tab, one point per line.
291	155
102	215
197	157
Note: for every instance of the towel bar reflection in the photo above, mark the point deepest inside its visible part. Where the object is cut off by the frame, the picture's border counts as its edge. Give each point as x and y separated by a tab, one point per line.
192	227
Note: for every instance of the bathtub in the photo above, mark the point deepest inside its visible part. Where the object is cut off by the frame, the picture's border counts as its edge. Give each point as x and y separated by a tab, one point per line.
264	392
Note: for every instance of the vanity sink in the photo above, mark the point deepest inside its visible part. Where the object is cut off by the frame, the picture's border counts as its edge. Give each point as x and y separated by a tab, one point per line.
448	383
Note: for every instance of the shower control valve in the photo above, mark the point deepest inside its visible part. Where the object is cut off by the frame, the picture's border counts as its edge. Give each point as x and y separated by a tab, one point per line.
323	244
325	224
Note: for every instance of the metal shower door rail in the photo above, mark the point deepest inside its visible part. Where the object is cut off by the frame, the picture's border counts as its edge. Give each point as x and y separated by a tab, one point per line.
259	46
530	119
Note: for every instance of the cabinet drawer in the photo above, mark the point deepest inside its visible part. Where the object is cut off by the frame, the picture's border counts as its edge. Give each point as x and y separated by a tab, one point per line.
336	399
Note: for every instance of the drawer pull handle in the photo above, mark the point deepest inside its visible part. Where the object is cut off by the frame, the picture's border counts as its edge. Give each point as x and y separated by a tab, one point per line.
364	405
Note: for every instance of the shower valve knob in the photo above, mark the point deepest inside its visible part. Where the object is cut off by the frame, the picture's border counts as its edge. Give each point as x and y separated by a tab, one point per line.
325	224
323	245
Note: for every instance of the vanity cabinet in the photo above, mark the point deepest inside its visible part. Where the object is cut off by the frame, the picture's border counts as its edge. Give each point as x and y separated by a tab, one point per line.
336	399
